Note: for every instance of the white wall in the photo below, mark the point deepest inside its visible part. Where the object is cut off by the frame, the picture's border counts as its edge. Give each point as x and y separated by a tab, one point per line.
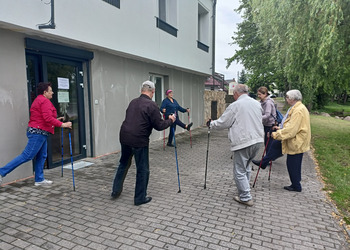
116	81
130	29
14	110
127	47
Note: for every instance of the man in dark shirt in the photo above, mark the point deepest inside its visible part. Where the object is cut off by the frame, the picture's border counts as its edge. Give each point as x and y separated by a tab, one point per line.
141	117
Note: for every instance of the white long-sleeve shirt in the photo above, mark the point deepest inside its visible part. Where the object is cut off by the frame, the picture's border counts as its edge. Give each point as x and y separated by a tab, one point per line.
243	118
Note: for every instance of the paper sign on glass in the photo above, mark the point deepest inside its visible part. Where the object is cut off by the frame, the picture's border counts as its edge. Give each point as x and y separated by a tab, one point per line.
63	83
62	97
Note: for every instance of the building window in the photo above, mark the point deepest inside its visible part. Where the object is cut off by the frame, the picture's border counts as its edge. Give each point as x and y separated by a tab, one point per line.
167	19
203	28
202	46
159	84
115	3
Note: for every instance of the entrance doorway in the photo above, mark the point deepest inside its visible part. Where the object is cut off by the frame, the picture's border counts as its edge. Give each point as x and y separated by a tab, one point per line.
66	77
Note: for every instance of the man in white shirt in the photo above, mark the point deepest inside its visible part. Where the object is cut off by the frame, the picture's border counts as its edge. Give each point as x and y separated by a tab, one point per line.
243	118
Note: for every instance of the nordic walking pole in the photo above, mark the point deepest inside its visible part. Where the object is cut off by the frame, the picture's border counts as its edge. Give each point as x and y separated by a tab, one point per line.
62	150
257	173
177	165
206	161
71	157
188	114
164	134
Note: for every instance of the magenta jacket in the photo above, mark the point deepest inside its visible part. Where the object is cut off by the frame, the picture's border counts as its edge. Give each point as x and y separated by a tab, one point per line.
43	115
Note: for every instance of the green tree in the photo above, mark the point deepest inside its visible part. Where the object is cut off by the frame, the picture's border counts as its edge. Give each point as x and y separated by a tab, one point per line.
242	77
305	45
254	54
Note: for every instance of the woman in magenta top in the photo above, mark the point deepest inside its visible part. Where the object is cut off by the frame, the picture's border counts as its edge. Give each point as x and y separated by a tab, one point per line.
43	120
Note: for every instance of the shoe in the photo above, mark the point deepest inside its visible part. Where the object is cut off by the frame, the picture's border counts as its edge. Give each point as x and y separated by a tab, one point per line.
115	196
0	179
170	145
258	164
148	199
290	188
189	126
43	183
249	203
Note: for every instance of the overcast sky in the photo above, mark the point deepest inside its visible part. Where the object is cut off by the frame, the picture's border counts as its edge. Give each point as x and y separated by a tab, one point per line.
226	25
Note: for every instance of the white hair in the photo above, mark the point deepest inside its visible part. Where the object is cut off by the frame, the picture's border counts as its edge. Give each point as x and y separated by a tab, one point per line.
240	88
147	86
294	94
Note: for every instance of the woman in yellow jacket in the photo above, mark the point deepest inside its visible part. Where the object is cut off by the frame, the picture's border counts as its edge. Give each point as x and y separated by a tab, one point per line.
295	136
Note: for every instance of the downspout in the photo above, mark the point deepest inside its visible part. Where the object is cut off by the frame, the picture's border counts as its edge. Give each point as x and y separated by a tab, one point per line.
213	44
51	24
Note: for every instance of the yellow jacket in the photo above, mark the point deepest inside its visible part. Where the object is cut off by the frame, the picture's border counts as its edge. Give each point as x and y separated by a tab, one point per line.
296	132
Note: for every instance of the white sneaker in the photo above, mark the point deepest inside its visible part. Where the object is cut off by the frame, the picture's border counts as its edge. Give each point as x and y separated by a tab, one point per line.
248	203
43	183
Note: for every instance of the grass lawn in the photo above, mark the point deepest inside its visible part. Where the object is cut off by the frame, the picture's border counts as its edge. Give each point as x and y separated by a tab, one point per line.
337	109
331	141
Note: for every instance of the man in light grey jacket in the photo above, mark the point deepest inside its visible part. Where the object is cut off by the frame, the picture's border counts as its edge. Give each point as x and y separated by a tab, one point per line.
243	118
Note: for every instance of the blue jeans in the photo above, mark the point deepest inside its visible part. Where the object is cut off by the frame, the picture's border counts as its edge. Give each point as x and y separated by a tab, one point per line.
173	128
36	148
142	171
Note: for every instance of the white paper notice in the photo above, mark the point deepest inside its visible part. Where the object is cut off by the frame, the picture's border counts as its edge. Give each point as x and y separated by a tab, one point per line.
63	83
62	97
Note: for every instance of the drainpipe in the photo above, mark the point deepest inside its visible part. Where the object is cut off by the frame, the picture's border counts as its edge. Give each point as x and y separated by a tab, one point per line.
51	24
213	43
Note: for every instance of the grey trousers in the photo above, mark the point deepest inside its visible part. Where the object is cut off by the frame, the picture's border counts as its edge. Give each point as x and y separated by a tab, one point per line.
242	169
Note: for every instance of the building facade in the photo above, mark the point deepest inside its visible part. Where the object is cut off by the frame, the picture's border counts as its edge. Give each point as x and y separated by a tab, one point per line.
96	53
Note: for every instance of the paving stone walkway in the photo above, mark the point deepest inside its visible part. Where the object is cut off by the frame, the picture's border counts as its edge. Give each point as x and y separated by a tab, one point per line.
56	217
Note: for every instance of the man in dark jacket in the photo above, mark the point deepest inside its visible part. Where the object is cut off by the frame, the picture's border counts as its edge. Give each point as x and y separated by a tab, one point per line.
141	117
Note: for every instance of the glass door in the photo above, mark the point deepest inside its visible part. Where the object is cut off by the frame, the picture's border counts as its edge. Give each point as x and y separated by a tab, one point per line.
66	77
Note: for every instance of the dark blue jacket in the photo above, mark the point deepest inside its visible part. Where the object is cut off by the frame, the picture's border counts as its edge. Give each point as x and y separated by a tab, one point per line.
171	107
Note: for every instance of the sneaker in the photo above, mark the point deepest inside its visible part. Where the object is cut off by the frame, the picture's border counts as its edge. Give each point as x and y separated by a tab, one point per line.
189	126
248	203
43	183
0	179
170	145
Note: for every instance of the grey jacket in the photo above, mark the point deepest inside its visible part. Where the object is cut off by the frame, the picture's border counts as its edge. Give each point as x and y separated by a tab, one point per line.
269	112
243	119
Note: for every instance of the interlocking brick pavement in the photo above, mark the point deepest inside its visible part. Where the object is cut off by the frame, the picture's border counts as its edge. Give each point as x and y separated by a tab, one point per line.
56	217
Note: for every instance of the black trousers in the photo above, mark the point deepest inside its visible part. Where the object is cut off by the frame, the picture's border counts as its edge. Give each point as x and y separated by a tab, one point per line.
294	169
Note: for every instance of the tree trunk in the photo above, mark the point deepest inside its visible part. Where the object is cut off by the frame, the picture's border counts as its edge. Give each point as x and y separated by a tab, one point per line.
345	97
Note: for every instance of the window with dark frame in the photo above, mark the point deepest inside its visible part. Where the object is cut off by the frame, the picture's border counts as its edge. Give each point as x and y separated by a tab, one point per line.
203	28
115	3
167	18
